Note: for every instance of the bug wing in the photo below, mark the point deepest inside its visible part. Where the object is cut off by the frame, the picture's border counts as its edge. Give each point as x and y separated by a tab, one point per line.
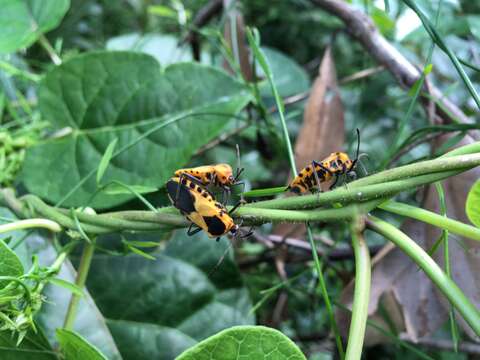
180	196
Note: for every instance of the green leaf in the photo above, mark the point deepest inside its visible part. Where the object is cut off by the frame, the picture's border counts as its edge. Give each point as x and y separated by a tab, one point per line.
75	347
33	347
288	77
474	24
148	341
116	189
67	285
144	244
167	49
107	156
245	342
472	205
149	303
23	21
140	252
163	11
159	117
10	264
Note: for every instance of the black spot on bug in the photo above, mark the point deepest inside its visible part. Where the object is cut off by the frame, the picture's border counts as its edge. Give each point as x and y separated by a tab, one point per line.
300	174
192	185
204	194
185	201
184	181
215	226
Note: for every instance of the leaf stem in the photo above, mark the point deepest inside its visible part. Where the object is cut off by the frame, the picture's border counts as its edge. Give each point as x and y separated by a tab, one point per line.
453	293
42	39
82	274
361	296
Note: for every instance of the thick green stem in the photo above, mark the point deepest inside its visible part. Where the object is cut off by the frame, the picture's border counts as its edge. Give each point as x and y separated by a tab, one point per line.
82	274
458	162
361	296
453	293
432	218
31	223
348	193
256	215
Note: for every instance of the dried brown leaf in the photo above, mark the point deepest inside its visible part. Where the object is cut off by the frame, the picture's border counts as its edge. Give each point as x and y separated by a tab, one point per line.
237	44
323	129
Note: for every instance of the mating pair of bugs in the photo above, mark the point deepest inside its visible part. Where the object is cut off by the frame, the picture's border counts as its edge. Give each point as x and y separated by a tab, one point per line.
188	193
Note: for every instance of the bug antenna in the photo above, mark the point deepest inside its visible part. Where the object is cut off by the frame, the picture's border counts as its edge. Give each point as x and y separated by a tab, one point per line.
358	150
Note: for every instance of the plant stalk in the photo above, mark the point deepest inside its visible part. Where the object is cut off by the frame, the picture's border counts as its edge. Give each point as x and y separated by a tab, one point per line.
361	296
85	261
432	218
446	285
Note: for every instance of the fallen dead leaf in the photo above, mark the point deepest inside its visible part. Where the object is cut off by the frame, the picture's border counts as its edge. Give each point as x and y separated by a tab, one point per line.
323	129
237	43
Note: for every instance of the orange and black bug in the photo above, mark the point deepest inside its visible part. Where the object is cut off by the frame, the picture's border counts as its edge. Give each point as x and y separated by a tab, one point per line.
333	166
220	175
199	206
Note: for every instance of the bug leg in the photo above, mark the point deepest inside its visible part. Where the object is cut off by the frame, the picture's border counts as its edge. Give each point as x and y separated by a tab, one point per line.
191	232
249	233
335	182
235	207
317	179
226	194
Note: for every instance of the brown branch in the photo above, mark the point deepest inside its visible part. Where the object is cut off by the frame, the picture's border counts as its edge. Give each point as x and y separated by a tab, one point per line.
203	16
361	27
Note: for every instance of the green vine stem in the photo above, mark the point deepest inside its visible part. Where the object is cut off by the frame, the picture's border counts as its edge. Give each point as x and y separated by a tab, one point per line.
361	296
257	215
85	261
31	223
351	194
432	218
446	285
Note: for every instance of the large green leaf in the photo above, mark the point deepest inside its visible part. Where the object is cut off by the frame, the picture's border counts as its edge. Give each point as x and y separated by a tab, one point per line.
147	341
169	300
75	347
159	117
289	77
33	347
245	342
23	21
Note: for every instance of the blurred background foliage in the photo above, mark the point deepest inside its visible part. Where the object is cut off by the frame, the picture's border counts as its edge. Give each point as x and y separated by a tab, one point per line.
157	308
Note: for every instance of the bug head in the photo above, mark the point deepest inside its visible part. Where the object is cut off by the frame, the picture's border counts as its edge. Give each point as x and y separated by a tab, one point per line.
224	174
234	229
